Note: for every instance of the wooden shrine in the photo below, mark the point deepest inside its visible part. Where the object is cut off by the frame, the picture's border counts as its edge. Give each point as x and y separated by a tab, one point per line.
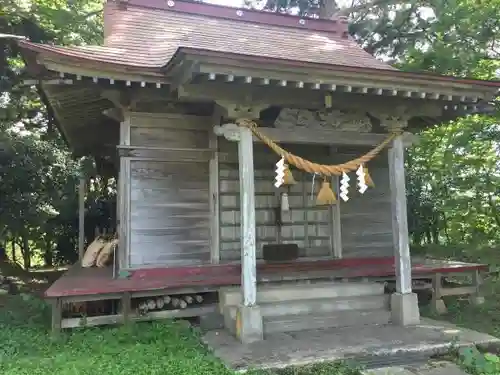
167	101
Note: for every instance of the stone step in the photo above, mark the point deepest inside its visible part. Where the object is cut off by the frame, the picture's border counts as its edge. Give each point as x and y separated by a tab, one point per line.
320	306
231	296
349	318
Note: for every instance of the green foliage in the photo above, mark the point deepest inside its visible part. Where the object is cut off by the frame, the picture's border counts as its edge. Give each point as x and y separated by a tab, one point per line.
453	183
38	176
447	36
453	173
479	363
158	348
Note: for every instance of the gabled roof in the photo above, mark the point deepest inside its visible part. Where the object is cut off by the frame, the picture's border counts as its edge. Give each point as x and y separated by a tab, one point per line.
167	44
148	33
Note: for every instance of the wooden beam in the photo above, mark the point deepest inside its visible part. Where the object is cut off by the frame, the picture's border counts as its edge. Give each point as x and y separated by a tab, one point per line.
302	98
330	137
171	154
99	320
302	135
400	217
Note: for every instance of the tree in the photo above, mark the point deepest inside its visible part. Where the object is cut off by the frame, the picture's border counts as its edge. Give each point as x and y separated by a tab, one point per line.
445	36
38	200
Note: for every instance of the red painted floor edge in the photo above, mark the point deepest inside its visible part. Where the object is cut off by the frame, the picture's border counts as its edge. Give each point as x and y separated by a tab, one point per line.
78	282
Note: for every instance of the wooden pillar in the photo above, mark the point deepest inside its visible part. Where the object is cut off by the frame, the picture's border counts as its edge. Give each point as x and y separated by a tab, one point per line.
56	315
123	200
404	303
248	316
81	217
214	192
400	217
247	226
335	225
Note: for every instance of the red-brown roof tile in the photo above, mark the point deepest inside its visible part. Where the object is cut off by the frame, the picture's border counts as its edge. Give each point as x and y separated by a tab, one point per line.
145	36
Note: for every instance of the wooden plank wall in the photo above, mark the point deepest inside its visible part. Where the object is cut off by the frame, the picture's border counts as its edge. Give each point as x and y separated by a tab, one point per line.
169	199
305	224
365	219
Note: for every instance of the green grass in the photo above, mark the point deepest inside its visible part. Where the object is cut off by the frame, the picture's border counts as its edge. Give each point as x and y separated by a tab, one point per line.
167	348
173	348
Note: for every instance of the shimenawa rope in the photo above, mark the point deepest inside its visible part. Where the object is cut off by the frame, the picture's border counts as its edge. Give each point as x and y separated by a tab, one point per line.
308	166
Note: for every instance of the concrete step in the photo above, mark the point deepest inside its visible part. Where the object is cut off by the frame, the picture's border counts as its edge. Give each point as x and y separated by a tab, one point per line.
231	296
320	306
349	318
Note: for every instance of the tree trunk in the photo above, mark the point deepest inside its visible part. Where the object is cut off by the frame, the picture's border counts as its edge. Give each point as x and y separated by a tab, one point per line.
48	253
26	253
13	245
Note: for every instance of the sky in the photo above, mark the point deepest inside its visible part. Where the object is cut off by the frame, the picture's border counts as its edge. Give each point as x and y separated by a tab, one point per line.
238	3
232	3
425	12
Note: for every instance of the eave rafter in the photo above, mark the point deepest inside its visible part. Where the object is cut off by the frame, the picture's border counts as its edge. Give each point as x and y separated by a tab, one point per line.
466	100
98	79
457	95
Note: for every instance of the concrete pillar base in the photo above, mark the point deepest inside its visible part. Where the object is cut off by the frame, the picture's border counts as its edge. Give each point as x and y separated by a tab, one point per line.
249	324
404	309
439	307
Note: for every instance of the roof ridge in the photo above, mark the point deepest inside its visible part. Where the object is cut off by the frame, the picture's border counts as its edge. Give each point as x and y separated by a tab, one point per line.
337	25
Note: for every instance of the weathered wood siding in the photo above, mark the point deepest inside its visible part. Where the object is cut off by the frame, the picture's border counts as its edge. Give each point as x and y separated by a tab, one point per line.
366	218
305	224
169	199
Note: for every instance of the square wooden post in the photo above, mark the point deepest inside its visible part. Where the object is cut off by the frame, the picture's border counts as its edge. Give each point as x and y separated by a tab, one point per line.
249	319
404	303
56	316
247	224
81	218
248	316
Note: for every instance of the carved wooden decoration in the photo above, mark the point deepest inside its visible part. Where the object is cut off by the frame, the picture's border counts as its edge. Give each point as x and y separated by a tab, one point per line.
333	119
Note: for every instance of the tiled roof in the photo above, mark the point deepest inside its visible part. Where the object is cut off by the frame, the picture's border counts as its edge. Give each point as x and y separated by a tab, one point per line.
144	36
